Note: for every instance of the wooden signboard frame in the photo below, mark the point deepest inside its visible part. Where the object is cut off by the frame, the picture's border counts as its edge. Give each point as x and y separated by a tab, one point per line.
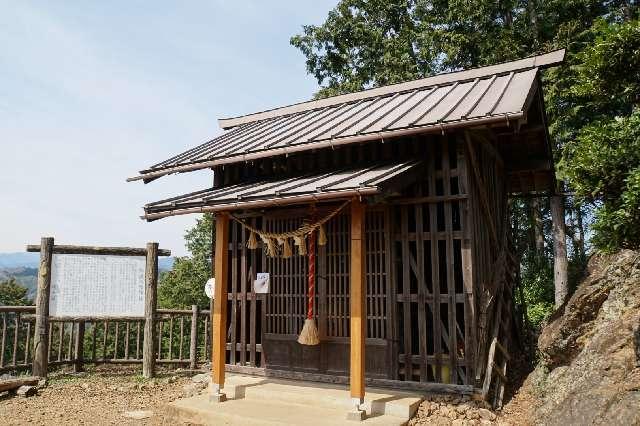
41	343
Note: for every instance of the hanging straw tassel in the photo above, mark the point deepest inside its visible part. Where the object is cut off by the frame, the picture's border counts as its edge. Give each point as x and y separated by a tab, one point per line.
252	243
309	333
286	249
322	236
301	243
270	244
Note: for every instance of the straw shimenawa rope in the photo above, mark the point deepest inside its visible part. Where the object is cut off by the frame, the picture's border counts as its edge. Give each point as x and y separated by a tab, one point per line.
272	240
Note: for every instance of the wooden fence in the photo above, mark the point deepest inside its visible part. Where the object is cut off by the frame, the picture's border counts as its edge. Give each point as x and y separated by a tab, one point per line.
183	339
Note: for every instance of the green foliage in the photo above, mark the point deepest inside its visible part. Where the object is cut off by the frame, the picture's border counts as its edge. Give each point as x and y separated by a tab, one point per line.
601	158
365	43
13	294
183	286
537	289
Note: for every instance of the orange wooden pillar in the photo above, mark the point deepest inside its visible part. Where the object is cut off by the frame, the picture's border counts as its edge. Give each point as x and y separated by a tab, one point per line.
219	317
358	313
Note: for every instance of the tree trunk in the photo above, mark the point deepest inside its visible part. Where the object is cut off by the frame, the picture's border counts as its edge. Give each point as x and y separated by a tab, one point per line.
580	233
560	262
538	227
533	20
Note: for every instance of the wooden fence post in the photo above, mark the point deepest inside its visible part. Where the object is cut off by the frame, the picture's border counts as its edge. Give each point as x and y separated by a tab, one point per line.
78	366
150	298
193	347
41	338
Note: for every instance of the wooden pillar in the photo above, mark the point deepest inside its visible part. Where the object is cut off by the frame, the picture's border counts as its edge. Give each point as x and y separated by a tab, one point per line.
357	299
193	346
150	298
41	338
78	365
219	314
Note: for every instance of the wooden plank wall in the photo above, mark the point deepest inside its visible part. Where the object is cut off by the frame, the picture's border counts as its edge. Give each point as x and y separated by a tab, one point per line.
432	308
493	263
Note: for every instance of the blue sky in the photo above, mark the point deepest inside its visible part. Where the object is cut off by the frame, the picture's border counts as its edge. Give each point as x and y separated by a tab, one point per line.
91	92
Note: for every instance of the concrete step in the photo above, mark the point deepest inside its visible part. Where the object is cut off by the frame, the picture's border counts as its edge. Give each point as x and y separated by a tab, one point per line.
378	402
251	411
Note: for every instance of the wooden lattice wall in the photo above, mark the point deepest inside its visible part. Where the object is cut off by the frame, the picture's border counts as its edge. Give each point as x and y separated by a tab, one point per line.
430	256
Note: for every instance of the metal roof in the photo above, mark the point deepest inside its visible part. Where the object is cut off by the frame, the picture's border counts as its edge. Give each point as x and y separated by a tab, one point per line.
331	185
466	98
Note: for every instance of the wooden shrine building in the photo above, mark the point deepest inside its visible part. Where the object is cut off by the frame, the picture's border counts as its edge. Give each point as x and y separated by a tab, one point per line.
399	195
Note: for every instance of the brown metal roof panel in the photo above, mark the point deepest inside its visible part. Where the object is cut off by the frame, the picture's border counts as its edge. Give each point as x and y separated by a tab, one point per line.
298	185
300	123
271	126
328	127
411	99
469	102
226	138
516	95
397	100
249	190
540	61
372	177
345	125
446	103
411	109
431	102
305	133
316	185
486	104
336	184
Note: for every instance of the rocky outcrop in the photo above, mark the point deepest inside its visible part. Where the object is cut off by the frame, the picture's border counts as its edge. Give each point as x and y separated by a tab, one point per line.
589	369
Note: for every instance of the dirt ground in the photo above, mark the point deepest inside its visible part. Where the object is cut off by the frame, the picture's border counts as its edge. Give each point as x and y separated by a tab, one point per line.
111	395
105	396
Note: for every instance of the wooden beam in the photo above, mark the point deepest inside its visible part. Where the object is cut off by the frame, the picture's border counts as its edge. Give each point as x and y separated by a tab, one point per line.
219	317
11	384
41	337
357	300
112	251
150	302
481	190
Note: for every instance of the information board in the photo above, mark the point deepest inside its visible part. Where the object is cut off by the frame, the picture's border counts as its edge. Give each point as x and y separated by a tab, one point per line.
85	285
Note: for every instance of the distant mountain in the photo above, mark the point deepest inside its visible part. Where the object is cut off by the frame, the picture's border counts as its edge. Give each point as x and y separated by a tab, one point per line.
166	263
31	260
24	268
26	276
19	260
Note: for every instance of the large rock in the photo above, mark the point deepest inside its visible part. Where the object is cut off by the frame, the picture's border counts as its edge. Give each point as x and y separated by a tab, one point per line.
588	372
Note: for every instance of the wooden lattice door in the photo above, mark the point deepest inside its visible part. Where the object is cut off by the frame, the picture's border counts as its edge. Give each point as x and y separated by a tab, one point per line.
285	305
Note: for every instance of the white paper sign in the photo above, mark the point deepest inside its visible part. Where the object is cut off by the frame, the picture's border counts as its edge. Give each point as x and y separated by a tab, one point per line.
84	285
261	284
210	287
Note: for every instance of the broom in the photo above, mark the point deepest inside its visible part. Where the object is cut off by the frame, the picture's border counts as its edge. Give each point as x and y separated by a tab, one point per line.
309	333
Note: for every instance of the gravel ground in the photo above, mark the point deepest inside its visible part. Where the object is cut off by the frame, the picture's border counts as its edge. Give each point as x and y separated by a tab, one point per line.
104	396
119	395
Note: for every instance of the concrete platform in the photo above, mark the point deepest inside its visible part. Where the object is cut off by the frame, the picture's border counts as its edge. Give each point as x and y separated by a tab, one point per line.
264	401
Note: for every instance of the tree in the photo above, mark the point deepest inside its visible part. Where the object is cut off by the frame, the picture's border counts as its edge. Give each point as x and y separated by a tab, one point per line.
183	286
602	159
370	43
13	294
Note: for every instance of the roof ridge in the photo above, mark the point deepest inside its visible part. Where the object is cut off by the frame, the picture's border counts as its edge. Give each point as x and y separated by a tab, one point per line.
539	61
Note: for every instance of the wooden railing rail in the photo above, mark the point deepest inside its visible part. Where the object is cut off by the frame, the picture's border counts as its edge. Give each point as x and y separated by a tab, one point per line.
183	337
